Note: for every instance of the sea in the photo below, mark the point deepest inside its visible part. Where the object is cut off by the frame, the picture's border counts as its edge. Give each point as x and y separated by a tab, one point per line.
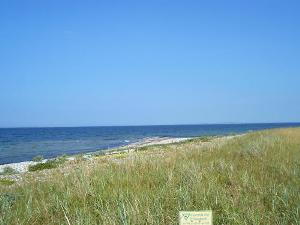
22	144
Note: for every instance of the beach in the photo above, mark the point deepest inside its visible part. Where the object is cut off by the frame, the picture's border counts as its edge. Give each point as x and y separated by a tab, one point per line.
23	144
22	167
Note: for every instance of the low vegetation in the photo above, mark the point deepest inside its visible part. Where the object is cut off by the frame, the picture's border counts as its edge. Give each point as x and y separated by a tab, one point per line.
8	171
6	182
49	164
249	179
38	158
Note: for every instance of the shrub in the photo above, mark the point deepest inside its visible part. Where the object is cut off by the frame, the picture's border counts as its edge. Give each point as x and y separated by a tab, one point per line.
61	159
99	153
50	164
38	158
6	182
205	138
8	171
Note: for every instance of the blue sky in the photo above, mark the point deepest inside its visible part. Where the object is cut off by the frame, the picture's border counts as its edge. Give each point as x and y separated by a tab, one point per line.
84	63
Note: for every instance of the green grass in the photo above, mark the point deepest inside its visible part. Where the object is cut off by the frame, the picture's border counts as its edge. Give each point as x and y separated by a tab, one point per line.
8	171
38	158
6	182
50	164
251	179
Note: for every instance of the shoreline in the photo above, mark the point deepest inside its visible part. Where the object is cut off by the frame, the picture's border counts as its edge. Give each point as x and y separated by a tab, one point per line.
22	167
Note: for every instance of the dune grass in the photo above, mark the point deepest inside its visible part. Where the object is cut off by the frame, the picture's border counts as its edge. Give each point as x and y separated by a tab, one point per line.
8	171
251	179
50	164
6	181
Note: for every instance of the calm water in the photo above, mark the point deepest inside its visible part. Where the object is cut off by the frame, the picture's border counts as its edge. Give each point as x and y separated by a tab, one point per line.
21	144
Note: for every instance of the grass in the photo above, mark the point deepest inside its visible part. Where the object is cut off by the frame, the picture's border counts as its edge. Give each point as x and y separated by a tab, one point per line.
6	182
8	171
251	179
50	164
38	158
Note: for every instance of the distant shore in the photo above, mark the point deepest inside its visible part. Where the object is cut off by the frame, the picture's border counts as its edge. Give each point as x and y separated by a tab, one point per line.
22	167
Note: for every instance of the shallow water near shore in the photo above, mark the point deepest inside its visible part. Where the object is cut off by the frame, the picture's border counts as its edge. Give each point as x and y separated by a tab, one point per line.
22	144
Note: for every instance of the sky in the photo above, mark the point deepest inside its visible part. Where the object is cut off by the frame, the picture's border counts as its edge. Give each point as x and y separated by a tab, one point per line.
93	63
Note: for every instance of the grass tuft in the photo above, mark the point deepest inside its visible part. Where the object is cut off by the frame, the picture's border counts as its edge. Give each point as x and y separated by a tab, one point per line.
8	171
50	164
38	158
6	182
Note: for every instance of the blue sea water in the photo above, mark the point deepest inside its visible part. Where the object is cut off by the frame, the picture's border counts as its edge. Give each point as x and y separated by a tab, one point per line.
22	144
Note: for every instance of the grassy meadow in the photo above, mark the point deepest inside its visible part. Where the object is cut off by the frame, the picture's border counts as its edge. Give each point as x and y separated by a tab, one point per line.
247	179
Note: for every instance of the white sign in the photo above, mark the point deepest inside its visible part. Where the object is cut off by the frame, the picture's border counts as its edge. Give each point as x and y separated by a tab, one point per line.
195	217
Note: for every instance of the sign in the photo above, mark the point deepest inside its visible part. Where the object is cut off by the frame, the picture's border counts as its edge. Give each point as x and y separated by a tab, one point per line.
195	217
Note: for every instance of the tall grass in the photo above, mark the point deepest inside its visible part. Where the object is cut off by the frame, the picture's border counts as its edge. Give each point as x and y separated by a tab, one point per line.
252	179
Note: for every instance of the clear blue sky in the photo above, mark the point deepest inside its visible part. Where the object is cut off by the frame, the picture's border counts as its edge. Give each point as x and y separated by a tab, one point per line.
74	63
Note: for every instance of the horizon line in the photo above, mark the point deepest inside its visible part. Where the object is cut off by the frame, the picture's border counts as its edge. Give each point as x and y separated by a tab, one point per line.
149	125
